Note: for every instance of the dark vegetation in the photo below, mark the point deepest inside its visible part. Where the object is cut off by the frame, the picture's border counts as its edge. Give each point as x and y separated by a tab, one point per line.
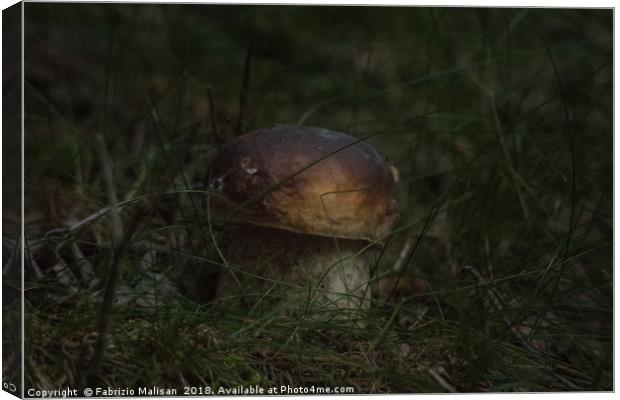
498	120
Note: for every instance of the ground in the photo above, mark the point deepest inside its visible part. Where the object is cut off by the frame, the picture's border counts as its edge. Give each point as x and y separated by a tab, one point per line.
499	122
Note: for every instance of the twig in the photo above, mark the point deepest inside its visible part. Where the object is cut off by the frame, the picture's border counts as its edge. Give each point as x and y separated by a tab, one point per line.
404	253
441	381
85	267
214	132
245	88
119	245
105	210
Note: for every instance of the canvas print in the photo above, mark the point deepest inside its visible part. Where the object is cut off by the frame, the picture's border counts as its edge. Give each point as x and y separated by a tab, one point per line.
302	200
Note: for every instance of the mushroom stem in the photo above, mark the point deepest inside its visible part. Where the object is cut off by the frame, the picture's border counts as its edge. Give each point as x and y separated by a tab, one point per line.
298	273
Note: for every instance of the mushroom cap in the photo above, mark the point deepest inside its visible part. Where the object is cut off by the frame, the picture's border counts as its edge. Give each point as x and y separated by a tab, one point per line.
308	180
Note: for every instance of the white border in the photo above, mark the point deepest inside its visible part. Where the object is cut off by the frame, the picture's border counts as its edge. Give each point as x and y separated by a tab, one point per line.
399	3
452	3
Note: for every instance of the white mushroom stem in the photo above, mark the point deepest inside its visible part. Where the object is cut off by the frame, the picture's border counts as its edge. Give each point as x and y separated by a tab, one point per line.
289	272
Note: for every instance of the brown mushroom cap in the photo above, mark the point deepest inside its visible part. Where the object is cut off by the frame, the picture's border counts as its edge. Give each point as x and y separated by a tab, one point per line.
307	180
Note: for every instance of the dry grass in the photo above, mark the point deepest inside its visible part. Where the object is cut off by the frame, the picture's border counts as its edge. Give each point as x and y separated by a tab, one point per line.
506	187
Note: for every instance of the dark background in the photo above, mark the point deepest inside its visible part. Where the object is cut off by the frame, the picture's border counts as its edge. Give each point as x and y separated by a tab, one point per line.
498	120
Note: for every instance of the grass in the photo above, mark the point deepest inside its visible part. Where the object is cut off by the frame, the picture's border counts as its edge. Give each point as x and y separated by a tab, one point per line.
498	120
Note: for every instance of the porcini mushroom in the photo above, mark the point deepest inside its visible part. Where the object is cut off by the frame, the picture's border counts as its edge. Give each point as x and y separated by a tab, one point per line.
312	208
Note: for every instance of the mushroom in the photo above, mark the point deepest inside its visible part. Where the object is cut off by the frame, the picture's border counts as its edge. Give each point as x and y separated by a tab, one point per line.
312	208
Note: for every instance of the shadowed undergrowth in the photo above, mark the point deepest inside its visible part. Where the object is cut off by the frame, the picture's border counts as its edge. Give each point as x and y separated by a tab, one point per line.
498	120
